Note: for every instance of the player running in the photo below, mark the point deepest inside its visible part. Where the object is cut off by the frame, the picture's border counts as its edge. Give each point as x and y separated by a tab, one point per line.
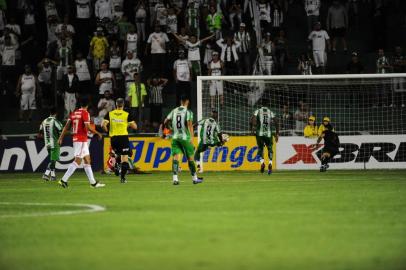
210	136
118	121
50	130
331	146
80	122
180	121
261	126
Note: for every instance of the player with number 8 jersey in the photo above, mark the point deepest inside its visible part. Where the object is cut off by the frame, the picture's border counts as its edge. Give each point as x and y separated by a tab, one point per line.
79	120
180	120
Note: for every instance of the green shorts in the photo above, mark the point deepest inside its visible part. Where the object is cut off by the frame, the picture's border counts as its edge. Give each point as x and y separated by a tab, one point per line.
182	147
54	153
264	141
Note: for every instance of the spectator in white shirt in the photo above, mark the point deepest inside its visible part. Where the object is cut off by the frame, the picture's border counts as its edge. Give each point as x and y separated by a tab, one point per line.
129	67
182	75
104	9
83	72
312	8
193	47
65	31
243	51
106	104
140	19
8	66
157	44
319	39
337	24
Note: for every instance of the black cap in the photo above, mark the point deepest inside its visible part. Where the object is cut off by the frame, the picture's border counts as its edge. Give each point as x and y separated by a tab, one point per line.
120	102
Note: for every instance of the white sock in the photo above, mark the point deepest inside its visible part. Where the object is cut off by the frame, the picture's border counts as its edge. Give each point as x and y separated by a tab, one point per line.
175	178
270	162
53	173
194	177
262	161
197	163
89	173
71	169
47	172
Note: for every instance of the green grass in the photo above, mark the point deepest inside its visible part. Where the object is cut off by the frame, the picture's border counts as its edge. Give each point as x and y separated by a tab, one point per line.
290	220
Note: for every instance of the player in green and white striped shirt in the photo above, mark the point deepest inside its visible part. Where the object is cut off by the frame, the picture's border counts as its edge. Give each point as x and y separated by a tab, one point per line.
50	130
261	124
180	120
209	136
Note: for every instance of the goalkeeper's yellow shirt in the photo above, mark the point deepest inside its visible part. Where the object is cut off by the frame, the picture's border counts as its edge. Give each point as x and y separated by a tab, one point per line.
118	120
321	129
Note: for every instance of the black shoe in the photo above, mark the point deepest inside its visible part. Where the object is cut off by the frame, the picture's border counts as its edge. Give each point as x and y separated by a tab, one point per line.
269	169
117	169
323	168
262	167
175	183
123	180
63	184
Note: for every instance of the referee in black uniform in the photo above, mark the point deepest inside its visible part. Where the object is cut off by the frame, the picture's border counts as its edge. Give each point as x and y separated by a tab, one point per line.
331	146
116	123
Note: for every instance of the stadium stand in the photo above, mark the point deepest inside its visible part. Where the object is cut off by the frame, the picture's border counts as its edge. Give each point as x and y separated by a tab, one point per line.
31	30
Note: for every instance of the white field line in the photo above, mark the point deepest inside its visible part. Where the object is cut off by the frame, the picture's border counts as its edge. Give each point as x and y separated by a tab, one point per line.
88	208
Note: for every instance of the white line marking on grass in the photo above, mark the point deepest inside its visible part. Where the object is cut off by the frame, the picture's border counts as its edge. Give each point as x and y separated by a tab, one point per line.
89	208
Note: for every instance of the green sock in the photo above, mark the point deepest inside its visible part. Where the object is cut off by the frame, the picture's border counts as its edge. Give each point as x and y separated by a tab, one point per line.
192	167
175	167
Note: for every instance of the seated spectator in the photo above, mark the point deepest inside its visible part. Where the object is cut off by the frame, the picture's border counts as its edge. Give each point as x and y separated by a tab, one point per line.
105	80
155	87
70	90
305	64
355	66
337	24
98	48
301	115
242	36
136	97
310	130
286	118
28	91
105	105
229	54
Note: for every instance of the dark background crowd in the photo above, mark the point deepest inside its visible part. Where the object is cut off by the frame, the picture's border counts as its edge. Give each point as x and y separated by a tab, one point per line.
150	52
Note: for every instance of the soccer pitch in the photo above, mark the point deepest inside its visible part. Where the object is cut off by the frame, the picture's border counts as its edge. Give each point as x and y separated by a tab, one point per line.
234	220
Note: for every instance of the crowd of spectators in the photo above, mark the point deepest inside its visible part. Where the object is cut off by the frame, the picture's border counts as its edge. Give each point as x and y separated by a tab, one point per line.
52	51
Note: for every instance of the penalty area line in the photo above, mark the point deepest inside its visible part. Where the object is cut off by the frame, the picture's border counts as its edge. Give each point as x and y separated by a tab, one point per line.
85	208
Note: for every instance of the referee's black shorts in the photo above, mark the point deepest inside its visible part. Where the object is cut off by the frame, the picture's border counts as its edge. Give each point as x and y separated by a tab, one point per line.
120	145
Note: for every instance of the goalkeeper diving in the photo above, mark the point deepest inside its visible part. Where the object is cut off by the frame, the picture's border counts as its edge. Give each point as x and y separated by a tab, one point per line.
210	136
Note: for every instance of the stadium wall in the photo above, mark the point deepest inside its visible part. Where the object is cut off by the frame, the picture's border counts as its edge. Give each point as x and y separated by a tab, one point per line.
21	154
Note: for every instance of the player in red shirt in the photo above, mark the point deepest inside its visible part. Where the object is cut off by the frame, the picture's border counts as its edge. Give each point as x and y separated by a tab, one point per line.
79	120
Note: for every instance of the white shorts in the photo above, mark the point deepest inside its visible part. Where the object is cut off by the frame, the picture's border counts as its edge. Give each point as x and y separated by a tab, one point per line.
27	102
81	149
216	87
320	58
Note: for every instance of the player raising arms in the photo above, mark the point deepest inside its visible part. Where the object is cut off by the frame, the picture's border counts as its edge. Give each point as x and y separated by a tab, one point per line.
210	136
180	121
118	121
80	122
260	124
50	129
331	145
